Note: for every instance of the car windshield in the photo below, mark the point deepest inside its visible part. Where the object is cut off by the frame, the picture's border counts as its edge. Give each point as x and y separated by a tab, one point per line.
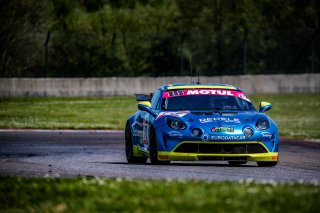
197	99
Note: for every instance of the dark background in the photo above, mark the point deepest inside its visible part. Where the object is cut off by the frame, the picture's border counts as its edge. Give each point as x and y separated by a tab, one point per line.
102	38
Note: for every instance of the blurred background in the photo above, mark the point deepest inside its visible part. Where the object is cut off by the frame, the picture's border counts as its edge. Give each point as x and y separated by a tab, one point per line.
104	38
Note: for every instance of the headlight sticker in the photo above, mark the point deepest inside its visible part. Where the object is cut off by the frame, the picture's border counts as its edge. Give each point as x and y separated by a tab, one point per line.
178	114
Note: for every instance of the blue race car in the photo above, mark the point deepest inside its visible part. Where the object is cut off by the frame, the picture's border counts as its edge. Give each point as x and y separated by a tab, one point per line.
183	122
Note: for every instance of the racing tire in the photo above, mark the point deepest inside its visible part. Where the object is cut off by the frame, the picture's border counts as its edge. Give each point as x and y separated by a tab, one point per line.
129	148
235	163
153	150
267	163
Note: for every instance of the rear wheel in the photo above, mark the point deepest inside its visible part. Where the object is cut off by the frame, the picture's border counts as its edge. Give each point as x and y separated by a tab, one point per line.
237	162
129	148
267	163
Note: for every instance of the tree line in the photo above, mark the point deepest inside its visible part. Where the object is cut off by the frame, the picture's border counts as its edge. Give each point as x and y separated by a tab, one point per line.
102	38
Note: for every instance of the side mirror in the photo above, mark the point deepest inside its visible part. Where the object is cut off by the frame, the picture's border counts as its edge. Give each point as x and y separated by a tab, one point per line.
264	106
146	106
144	103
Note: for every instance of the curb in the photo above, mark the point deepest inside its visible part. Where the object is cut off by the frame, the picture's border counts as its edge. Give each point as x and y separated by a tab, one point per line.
301	142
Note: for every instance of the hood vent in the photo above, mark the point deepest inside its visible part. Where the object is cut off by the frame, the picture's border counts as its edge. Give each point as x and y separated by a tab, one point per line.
228	113
203	113
212	113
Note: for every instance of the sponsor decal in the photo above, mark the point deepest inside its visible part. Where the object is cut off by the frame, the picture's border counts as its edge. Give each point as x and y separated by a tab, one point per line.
205	137
175	134
137	133
136	124
187	92
178	114
222	129
141	130
266	135
228	138
145	132
227	120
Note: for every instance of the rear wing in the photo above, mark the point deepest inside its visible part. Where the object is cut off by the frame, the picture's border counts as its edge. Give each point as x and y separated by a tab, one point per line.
143	97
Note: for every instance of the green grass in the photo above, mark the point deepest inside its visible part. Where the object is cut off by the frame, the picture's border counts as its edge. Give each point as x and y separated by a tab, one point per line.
119	195
296	115
66	113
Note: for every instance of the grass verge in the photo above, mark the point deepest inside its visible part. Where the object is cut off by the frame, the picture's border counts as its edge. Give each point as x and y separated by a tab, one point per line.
66	113
296	115
119	195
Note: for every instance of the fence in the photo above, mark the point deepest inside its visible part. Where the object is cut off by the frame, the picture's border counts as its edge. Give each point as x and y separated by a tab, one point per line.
125	86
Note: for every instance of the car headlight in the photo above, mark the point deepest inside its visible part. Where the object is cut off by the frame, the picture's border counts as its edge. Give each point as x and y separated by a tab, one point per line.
175	123
248	132
196	132
262	124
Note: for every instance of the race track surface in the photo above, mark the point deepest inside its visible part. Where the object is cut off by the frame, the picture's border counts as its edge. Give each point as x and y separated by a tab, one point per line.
94	153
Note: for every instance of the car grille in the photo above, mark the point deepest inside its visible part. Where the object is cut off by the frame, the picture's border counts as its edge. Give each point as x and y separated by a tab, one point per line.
223	158
214	148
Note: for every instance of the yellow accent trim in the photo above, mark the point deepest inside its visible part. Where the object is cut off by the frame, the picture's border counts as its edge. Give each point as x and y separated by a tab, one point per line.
145	103
263	104
163	157
270	156
201	87
137	152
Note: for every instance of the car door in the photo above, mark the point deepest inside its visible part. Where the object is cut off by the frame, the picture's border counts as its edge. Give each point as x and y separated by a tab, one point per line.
144	120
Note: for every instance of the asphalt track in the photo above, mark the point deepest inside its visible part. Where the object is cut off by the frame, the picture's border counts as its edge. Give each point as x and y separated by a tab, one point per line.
101	153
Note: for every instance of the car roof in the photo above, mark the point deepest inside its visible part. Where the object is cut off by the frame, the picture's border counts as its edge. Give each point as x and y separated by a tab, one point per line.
199	86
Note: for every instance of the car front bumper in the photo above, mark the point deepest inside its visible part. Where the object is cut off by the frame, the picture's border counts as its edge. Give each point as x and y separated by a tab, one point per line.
193	151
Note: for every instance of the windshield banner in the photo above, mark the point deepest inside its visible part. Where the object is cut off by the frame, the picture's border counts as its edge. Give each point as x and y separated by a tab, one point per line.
187	92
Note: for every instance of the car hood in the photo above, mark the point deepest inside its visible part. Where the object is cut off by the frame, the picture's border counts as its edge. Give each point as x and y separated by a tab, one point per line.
204	118
222	118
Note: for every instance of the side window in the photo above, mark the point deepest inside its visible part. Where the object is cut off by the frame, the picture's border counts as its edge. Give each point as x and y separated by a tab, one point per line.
155	99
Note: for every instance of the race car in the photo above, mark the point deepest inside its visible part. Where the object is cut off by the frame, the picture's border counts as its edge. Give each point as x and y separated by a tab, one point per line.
205	122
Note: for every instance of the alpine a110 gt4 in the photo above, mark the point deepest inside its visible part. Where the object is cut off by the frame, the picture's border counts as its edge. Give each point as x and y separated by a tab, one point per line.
208	122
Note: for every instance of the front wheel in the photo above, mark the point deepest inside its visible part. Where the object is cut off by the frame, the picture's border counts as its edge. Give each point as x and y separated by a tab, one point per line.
267	163
153	150
129	148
